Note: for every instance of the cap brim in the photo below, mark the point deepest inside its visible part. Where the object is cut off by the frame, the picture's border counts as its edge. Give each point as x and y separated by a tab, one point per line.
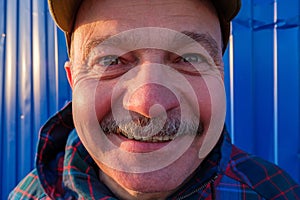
64	13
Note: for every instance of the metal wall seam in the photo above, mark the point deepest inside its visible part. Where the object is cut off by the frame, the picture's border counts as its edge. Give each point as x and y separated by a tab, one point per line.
25	158
40	78
231	83
298	129
2	83
275	88
243	79
10	96
52	65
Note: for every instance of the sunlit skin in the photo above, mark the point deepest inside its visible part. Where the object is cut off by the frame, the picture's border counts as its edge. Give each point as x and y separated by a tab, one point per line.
101	18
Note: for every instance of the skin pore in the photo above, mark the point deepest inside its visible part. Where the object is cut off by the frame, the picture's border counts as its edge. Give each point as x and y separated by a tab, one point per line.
99	19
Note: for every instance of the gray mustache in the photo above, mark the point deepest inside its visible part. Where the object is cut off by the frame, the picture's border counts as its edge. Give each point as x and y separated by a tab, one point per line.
143	126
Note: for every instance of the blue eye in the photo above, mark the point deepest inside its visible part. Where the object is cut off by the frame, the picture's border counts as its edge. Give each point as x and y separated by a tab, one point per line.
109	60
111	66
193	58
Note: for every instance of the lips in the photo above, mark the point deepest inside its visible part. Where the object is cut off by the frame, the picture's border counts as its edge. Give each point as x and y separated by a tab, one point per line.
152	135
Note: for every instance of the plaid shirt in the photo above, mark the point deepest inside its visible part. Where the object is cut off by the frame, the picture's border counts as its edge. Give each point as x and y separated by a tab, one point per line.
65	170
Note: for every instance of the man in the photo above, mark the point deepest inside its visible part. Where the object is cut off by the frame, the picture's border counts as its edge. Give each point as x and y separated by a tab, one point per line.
148	109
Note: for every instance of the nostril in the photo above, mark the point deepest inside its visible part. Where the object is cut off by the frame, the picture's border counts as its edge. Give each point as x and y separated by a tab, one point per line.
157	110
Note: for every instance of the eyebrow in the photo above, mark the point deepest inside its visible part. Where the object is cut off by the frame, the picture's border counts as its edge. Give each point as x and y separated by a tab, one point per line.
204	39
92	44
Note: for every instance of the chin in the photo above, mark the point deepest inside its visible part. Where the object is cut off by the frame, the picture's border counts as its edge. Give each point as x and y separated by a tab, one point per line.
167	179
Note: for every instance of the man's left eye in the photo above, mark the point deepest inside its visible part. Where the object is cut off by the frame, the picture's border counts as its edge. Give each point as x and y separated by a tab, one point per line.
193	58
109	60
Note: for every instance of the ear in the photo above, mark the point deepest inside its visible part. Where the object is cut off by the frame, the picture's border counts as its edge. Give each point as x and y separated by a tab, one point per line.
68	67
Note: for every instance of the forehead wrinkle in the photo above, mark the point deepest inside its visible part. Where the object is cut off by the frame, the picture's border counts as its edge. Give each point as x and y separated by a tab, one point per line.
116	41
171	42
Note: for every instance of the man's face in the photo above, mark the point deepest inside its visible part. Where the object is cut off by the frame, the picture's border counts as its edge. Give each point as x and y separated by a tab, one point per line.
147	81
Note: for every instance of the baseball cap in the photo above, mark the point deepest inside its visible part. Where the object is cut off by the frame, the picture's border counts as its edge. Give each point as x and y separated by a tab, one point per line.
64	14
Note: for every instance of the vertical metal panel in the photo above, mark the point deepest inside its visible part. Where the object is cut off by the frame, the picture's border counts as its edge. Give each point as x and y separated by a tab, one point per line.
267	81
24	154
243	102
2	59
39	62
10	98
33	85
289	86
263	75
264	89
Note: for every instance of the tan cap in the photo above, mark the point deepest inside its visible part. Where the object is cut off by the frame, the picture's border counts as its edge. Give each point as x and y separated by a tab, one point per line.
64	14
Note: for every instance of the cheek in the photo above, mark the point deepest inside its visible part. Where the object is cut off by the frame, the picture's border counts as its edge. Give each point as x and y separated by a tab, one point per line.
204	101
103	98
102	105
203	94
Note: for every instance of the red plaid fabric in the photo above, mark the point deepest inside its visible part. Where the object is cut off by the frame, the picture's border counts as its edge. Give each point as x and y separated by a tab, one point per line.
65	170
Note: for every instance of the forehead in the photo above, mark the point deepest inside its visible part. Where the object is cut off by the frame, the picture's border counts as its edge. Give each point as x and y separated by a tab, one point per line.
146	12
109	17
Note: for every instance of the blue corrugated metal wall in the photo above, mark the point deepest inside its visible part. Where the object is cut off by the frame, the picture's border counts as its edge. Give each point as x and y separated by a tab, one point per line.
262	80
32	83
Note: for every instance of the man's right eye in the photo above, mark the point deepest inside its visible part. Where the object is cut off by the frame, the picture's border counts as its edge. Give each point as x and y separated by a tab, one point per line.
109	60
110	66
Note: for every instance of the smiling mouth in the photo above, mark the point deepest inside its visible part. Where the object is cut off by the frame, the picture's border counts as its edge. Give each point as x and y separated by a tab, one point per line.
151	130
152	134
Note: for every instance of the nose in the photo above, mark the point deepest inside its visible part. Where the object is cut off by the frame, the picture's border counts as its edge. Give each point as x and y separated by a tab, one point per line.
154	96
152	100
